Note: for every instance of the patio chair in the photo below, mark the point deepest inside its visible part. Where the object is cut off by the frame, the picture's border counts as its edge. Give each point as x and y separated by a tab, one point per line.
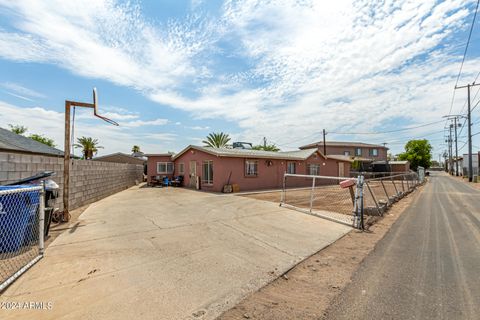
166	182
155	181
177	181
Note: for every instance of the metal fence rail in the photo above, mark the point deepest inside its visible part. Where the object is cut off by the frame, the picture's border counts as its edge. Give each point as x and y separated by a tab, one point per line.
346	200
321	196
21	230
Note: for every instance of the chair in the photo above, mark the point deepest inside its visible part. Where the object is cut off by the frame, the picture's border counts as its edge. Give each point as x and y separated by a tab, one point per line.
155	181
177	181
166	182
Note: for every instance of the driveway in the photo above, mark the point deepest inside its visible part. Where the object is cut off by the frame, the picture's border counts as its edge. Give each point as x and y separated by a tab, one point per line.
149	253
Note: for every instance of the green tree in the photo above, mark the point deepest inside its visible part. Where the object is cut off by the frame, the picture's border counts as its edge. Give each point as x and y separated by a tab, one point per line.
18	129
135	149
42	139
88	145
217	140
418	153
268	147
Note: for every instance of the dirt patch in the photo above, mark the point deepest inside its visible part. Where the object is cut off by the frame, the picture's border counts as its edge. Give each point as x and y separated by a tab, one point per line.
306	291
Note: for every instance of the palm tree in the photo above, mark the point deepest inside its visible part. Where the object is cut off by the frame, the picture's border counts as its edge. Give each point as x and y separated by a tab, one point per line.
135	149
89	146
217	140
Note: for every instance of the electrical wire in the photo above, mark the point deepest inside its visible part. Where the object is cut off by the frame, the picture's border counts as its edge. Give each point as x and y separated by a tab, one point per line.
389	131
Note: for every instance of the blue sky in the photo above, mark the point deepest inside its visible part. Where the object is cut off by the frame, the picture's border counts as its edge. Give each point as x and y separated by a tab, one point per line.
171	71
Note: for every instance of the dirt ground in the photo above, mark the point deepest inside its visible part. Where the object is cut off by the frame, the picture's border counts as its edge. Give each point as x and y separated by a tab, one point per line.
306	290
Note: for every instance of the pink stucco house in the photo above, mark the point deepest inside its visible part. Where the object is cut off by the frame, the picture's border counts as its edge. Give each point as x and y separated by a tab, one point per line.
210	168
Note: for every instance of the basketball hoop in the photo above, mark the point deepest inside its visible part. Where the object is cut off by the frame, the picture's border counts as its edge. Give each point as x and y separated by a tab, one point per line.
95	109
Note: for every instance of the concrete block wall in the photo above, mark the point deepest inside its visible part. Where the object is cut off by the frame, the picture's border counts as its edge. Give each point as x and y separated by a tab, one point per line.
90	181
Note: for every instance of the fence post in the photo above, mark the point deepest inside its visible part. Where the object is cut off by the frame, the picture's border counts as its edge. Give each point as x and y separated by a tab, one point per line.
360	184
41	221
282	200
396	190
386	193
311	194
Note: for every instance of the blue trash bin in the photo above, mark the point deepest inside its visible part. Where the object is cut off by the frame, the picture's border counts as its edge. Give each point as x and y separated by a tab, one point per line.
16	211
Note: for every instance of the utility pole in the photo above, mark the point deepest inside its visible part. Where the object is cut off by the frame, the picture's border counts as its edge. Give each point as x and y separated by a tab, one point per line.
264	143
324	143
450	149
469	120
456	147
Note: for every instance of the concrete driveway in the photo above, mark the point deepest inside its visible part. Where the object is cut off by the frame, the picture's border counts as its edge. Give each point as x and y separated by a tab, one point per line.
149	253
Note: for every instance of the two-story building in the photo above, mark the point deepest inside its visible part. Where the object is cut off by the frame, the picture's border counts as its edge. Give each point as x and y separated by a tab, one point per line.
359	150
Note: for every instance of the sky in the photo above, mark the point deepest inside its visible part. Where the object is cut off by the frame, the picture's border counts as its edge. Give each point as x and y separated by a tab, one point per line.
172	71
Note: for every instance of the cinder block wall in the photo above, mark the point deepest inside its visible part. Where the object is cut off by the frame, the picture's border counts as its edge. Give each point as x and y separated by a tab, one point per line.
90	181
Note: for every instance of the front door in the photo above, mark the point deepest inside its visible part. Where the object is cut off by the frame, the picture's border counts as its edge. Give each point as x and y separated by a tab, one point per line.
193	174
341	169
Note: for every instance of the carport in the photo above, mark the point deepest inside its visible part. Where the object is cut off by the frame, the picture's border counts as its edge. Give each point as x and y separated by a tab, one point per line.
149	253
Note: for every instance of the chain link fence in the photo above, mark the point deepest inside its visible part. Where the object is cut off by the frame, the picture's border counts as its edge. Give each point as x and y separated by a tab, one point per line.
21	230
321	196
346	199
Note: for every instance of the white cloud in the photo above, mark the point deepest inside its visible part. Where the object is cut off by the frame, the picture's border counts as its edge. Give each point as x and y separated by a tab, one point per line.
342	65
20	91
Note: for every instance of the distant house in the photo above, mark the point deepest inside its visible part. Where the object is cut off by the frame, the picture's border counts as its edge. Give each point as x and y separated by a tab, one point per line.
120	157
399	165
249	169
15	143
360	150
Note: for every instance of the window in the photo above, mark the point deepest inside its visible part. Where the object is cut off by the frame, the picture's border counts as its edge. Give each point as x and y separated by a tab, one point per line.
181	168
314	169
291	167
251	168
347	153
207	172
374	152
165	167
358	152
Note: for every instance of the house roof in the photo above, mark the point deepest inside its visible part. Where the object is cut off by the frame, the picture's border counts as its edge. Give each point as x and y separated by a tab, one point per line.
168	154
342	144
118	155
249	153
14	142
398	162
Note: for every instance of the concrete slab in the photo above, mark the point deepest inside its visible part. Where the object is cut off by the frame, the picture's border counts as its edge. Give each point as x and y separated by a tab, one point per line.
149	253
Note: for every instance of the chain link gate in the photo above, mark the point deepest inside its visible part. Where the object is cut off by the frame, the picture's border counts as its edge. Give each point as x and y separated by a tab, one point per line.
21	230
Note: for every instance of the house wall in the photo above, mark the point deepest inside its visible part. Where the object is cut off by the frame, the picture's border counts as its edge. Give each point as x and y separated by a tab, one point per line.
269	176
89	180
337	150
152	167
400	167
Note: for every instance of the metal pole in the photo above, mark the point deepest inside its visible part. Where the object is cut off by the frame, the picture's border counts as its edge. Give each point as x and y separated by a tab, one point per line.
456	148
66	160
311	194
450	156
324	145
282	200
41	221
470	165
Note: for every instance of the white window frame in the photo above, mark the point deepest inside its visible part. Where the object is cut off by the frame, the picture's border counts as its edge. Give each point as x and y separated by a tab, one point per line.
346	153
358	152
209	179
181	168
249	166
294	167
374	152
316	171
169	166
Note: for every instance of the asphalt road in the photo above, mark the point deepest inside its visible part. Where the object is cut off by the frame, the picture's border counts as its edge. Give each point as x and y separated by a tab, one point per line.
428	264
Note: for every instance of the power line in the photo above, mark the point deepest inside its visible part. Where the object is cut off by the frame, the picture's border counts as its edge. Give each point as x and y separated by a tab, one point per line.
464	54
389	131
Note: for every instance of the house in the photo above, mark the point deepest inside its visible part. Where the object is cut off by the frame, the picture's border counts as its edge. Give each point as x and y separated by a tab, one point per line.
120	157
212	168
363	151
15	143
399	165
